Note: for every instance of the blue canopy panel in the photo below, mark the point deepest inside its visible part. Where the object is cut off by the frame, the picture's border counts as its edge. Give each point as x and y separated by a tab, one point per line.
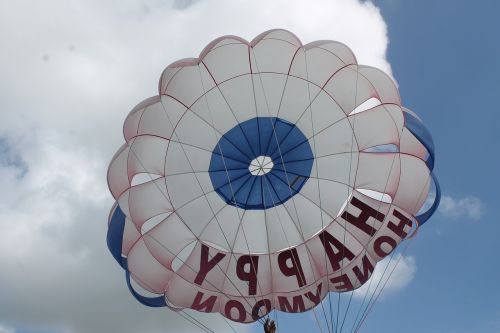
288	162
423	217
114	237
115	240
415	126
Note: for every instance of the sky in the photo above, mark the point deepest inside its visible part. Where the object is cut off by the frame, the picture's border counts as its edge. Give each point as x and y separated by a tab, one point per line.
72	70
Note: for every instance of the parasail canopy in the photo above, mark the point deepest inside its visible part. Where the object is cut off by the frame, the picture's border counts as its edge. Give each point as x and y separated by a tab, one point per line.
264	175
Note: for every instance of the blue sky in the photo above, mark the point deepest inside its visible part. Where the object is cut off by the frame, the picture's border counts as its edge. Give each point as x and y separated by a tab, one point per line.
69	81
444	55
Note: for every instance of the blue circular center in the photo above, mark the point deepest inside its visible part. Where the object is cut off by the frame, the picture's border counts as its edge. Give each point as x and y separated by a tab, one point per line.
260	163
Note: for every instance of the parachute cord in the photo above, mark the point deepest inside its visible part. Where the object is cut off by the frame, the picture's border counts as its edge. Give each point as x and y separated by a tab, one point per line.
319	194
307	107
317	321
347	205
355	324
385	187
390	259
278	144
370	304
194	322
226	170
378	210
331	309
274	135
276	318
229	324
298	119
258	128
368	309
288	181
346	311
293	257
260	145
175	254
204	195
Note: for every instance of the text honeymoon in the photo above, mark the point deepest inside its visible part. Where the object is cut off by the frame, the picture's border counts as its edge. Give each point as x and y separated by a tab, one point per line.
347	268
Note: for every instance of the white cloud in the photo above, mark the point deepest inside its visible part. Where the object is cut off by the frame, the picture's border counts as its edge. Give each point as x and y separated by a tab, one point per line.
388	277
395	274
56	271
469	207
4	329
71	70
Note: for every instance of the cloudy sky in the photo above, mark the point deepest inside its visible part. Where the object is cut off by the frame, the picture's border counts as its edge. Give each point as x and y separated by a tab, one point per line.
72	70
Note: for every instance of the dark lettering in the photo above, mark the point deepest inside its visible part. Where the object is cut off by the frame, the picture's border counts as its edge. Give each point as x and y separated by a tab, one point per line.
206	265
205	306
377	245
366	212
249	275
335	258
315	298
294	269
298	304
257	313
343	283
234	304
367	270
399	229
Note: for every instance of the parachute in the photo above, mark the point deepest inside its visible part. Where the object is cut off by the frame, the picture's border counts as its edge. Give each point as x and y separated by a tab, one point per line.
265	175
